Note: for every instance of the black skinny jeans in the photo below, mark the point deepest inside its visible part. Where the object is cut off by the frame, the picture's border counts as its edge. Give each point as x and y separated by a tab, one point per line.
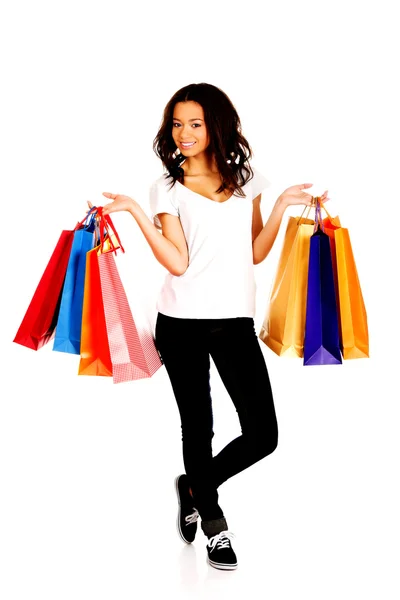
185	346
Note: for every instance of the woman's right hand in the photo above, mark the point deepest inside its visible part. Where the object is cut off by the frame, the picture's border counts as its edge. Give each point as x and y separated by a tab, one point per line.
119	203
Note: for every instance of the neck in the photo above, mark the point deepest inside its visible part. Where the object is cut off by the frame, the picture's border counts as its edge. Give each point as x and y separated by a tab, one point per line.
202	164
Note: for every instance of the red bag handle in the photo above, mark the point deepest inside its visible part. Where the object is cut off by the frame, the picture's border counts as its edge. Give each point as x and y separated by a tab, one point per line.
107	225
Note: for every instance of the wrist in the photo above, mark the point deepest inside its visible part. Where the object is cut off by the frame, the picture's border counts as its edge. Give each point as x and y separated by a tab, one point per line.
133	208
281	203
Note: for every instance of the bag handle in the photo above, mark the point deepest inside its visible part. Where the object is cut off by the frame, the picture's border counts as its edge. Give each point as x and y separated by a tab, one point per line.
315	202
106	225
90	220
318	223
304	210
103	224
87	221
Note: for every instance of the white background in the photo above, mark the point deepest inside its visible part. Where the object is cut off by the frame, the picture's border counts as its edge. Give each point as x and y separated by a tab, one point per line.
87	503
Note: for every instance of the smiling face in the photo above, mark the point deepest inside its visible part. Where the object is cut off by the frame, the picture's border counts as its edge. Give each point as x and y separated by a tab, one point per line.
189	129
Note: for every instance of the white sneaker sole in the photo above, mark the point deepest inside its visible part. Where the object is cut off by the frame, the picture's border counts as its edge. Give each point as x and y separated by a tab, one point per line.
222	566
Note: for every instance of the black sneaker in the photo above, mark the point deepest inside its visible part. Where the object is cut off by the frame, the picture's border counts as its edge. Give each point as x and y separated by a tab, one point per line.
220	551
187	513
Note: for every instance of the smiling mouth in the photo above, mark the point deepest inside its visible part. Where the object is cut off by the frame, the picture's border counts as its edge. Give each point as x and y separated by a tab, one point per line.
187	145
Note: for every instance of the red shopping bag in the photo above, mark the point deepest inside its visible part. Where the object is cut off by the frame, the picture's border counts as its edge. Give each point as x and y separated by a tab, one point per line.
39	323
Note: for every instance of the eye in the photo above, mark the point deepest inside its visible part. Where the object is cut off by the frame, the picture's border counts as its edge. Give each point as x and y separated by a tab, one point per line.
196	125
176	124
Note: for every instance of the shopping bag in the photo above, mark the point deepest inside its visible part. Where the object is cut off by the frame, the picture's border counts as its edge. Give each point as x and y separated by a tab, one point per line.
353	315
353	322
94	349
37	326
68	329
321	339
133	354
133	351
284	322
330	224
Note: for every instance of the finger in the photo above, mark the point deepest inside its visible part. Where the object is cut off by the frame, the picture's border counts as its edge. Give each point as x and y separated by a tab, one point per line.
309	200
90	205
109	195
304	186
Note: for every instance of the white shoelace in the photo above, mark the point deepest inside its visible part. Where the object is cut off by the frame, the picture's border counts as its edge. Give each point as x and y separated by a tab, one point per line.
192	518
220	540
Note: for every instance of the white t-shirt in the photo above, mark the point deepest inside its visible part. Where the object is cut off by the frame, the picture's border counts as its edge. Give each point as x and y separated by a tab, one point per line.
219	281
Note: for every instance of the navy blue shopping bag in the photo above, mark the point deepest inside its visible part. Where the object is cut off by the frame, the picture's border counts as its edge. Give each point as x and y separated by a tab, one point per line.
321	339
69	324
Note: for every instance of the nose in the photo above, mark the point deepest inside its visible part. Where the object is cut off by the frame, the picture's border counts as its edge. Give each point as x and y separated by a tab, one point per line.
186	133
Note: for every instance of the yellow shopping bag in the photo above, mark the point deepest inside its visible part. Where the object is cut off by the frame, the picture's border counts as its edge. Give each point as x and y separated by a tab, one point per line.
284	323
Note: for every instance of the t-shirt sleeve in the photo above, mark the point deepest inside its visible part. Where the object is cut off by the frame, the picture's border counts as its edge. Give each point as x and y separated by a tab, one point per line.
258	183
161	200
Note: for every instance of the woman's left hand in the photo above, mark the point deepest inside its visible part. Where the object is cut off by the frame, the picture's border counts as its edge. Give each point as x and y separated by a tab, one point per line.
295	194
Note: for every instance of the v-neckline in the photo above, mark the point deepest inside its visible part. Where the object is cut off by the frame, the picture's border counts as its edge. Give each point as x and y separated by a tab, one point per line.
205	197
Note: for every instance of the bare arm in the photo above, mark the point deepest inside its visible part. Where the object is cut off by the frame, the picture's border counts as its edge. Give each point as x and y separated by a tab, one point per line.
264	237
169	246
257	218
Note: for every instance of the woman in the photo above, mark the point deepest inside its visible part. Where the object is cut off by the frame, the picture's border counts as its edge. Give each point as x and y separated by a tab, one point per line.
207	231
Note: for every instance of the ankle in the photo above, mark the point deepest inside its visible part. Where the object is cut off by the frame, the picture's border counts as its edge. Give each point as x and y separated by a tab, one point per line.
214	526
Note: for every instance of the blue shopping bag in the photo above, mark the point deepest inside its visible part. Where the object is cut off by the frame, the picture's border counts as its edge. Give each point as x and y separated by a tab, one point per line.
68	329
321	338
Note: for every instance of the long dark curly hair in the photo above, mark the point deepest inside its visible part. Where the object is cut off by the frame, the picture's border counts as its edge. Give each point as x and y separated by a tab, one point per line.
230	148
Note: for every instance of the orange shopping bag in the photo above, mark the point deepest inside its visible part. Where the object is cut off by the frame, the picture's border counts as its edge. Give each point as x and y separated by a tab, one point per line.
353	321
95	352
